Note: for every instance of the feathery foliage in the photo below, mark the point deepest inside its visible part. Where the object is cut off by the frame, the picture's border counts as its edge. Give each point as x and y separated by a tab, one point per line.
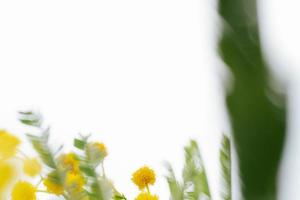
71	176
225	160
195	185
176	187
80	175
99	187
40	142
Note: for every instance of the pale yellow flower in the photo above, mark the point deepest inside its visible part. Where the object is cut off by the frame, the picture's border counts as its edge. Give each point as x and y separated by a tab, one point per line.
23	190
146	196
101	148
8	144
32	167
143	177
74	182
52	186
69	161
97	151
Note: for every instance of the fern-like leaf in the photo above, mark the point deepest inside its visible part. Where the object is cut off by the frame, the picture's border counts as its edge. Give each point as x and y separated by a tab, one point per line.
195	185
40	143
225	160
194	175
31	118
175	187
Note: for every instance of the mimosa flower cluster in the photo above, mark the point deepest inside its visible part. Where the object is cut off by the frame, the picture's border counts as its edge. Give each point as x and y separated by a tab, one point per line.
143	178
79	174
75	175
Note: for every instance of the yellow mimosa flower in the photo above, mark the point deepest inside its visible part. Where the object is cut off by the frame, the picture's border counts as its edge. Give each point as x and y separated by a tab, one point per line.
101	148
32	167
69	161
74	182
97	151
52	186
8	144
23	190
143	177
146	196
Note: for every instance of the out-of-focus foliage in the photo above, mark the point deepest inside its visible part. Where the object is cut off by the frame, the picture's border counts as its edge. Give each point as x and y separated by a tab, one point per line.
77	175
194	175
257	111
194	184
225	160
80	175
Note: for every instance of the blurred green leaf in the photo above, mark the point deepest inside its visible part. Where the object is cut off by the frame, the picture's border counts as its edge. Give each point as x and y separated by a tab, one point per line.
30	118
195	185
194	174
258	124
42	148
225	160
80	144
175	187
40	143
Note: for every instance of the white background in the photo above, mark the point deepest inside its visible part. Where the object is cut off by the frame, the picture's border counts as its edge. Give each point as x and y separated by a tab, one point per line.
142	76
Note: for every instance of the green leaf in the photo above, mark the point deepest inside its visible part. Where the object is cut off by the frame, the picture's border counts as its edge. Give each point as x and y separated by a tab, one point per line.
87	170
225	160
120	197
40	144
194	175
80	144
30	118
175	187
195	185
258	111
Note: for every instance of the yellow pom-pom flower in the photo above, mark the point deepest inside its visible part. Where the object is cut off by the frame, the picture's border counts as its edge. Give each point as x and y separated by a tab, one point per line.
32	167
8	144
74	182
52	186
23	190
146	196
98	150
143	177
101	148
69	161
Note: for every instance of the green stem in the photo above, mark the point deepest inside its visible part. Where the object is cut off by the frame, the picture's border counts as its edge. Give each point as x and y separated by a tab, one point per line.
40	181
23	154
43	191
148	189
103	171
